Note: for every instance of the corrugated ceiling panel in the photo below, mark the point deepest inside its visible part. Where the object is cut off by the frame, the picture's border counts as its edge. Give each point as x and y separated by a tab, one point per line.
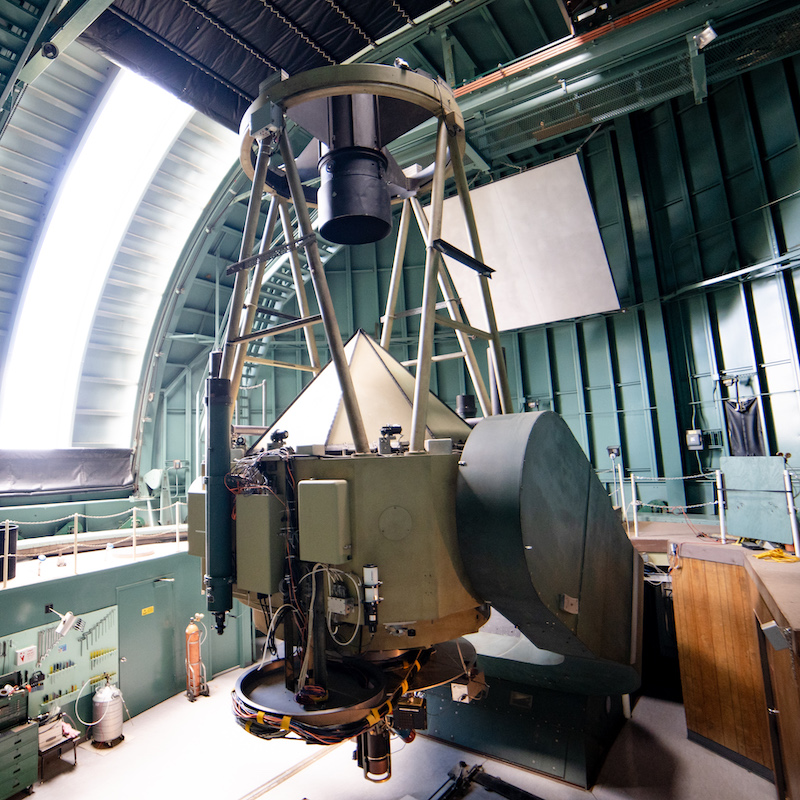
136	280
34	150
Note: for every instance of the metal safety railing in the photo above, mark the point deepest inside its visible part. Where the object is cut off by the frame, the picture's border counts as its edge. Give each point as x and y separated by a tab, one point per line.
76	536
720	502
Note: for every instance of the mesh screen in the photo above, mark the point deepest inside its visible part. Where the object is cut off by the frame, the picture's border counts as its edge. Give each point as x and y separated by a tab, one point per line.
770	40
729	55
645	87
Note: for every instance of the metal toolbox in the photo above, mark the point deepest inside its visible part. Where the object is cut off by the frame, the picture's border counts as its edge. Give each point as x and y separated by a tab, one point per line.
13	709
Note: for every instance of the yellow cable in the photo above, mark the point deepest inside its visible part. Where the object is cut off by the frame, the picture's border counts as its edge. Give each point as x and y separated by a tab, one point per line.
777	555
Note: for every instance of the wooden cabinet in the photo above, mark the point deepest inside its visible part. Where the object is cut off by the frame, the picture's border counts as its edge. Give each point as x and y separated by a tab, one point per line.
718	651
776	598
19	758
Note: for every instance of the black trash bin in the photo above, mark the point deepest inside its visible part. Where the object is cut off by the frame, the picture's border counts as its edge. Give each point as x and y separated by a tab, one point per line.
12	549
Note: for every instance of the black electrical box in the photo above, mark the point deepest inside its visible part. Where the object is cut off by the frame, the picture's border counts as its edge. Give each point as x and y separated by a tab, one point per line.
411	714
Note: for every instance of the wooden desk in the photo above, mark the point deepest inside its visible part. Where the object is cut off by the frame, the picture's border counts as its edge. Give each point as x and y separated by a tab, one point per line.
775	596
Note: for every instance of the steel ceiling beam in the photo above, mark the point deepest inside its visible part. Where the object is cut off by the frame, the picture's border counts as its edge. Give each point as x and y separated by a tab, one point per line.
65	27
20	45
388	46
566	75
489	19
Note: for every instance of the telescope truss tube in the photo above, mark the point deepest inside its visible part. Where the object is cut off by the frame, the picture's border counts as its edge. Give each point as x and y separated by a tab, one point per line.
498	359
432	257
240	282
449	293
399	99
251	305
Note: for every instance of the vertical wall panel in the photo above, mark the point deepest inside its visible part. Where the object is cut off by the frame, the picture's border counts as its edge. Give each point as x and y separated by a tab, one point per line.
779	361
601	174
667	197
367	308
535	368
778	142
601	406
712	242
563	360
744	190
633	396
568	391
705	412
735	341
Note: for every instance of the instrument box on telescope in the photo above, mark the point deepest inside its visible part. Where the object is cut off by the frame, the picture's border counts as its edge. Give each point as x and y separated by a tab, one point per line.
324	521
260	548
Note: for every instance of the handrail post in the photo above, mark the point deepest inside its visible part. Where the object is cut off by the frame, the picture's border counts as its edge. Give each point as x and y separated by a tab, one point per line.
6	548
75	542
723	532
622	492
787	482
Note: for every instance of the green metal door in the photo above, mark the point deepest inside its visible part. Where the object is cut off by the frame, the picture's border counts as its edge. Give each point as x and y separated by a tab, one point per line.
149	643
232	649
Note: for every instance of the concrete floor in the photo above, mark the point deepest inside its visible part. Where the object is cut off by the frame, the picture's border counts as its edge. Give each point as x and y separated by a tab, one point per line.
181	749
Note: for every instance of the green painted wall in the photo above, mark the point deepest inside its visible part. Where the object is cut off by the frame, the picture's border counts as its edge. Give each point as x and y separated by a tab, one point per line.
683	194
23	607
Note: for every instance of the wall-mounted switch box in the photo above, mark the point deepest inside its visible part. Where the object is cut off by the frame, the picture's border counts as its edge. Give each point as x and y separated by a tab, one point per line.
694	439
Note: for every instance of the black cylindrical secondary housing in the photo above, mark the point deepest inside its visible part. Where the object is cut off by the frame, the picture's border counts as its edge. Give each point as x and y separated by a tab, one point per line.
353	197
219	533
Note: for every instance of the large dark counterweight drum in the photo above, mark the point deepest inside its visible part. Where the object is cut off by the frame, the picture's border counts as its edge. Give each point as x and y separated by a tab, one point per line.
541	543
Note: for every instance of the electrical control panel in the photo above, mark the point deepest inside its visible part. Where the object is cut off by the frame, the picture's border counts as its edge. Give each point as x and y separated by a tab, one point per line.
694	439
260	547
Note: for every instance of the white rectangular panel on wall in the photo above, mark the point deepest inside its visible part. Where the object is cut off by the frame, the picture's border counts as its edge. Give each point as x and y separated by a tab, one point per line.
538	232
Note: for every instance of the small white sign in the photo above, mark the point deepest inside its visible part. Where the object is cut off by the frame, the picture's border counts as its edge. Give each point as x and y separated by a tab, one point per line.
26	655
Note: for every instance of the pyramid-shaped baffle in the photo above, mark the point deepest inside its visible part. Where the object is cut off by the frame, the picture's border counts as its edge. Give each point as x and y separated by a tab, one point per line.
385	392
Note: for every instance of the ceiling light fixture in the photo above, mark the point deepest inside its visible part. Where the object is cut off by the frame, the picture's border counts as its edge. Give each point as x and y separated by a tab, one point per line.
705	37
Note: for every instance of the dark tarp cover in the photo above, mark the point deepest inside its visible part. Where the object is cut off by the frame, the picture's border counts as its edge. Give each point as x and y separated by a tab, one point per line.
25	472
744	427
215	54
